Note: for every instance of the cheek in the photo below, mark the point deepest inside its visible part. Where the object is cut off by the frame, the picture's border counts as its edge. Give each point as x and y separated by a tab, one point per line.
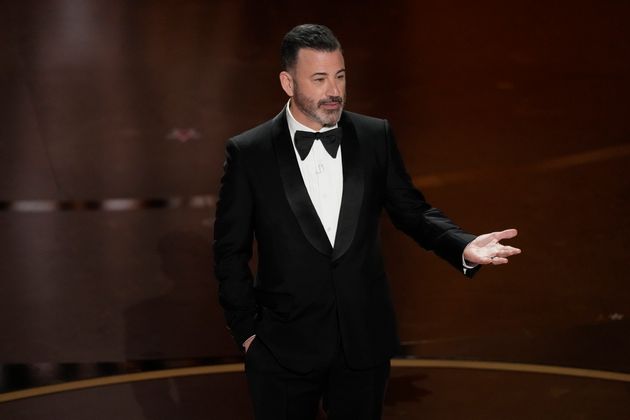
310	91
342	87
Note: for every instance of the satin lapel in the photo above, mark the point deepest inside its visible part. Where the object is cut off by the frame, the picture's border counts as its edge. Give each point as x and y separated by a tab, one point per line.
353	185
294	187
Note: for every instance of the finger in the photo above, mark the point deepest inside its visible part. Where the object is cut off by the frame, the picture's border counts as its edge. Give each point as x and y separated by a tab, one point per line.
499	261
486	260
483	260
507	251
505	234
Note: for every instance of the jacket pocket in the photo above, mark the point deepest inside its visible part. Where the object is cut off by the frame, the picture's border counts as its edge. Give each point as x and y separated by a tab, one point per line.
280	304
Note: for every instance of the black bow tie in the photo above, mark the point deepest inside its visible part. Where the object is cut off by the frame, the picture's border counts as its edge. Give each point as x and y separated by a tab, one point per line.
331	140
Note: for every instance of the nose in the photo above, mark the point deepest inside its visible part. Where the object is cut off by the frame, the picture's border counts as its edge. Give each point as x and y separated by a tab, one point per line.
333	88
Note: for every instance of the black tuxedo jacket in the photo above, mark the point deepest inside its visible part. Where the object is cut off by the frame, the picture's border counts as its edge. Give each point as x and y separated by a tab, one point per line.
307	295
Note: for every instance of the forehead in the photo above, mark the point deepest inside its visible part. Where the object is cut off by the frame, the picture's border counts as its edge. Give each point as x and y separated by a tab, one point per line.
313	61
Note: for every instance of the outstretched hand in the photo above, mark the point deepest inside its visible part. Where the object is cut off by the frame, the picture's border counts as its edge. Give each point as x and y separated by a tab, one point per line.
486	249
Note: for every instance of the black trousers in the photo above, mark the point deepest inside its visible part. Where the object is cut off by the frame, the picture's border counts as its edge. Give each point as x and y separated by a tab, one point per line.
280	394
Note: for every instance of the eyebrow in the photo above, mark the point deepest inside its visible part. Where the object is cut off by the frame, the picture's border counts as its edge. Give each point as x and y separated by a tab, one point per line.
322	73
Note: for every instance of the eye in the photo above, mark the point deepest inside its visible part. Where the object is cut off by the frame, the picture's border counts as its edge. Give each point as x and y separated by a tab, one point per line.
319	79
341	76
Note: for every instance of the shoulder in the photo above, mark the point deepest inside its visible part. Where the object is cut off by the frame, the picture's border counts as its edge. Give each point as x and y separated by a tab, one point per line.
254	137
365	122
367	128
262	134
373	133
256	144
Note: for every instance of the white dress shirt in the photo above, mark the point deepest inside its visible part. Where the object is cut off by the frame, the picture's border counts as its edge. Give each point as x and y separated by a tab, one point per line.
322	175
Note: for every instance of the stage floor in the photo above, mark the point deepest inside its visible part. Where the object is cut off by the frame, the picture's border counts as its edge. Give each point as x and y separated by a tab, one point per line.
413	393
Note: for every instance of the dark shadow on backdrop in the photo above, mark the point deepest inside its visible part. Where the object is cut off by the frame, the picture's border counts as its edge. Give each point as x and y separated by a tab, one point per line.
179	324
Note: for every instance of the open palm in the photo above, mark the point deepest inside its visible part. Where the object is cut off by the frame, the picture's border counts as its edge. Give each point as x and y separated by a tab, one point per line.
487	249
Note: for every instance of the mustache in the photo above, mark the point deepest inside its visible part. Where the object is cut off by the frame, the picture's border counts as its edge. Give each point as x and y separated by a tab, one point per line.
331	99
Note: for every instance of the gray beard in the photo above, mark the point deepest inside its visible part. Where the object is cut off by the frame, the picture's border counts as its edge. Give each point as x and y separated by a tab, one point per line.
303	106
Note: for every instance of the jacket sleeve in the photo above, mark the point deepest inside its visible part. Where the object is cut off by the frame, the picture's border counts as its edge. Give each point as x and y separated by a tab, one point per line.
233	236
412	214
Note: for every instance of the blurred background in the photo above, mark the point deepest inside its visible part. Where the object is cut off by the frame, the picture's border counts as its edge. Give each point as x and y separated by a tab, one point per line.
113	121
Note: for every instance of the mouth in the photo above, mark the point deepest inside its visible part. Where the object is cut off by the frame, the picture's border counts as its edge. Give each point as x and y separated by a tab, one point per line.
331	105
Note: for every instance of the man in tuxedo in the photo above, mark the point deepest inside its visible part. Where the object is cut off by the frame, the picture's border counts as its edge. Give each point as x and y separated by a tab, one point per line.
316	321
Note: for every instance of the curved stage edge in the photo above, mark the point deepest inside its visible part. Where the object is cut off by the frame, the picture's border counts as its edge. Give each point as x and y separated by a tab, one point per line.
239	367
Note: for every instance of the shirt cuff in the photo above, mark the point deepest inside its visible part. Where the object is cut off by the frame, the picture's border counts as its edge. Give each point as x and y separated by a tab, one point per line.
466	265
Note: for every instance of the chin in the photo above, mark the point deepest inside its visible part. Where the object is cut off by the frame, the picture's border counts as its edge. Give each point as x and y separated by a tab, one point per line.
331	119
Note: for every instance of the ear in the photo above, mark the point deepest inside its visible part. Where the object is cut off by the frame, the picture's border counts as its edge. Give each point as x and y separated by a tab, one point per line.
286	81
